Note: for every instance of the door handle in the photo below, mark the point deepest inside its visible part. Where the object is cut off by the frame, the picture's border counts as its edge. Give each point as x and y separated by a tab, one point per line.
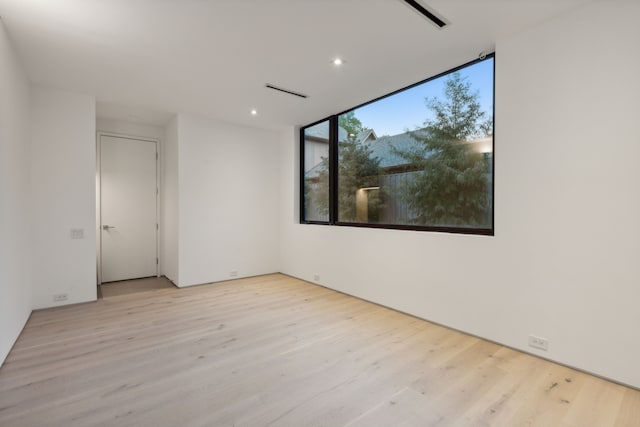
107	227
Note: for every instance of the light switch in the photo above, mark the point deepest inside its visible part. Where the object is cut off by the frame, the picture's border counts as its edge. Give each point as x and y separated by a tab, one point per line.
77	233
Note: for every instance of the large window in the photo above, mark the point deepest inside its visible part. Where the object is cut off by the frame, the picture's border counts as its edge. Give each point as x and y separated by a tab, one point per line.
420	158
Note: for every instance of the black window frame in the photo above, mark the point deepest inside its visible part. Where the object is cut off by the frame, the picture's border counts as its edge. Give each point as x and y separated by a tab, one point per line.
333	167
332	153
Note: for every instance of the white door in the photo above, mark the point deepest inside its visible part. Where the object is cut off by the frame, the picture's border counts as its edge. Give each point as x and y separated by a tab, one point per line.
128	194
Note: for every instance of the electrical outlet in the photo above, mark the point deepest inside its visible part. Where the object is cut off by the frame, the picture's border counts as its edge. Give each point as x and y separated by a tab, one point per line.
538	342
233	273
60	297
316	277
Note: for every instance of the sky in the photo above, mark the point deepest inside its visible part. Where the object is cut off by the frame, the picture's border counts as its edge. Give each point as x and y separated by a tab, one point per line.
407	110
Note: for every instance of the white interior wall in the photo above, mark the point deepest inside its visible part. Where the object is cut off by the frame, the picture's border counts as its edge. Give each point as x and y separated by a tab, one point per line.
63	168
169	248
15	257
563	263
228	200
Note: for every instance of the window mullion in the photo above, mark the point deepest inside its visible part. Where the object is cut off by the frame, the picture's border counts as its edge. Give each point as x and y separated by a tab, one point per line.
333	169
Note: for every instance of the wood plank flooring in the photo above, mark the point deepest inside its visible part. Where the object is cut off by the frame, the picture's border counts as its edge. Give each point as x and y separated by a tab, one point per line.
276	351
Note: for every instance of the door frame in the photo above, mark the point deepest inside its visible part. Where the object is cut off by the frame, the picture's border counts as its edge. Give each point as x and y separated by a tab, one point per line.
99	136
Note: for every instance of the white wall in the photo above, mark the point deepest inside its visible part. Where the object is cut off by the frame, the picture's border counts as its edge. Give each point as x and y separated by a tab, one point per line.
564	261
15	266
228	190
169	211
63	168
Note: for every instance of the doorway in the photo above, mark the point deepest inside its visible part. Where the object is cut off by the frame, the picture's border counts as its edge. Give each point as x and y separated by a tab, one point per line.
127	207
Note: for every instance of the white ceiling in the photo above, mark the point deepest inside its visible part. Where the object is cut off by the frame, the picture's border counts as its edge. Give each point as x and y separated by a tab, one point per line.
146	59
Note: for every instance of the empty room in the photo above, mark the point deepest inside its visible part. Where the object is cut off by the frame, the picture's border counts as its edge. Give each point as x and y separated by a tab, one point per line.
319	213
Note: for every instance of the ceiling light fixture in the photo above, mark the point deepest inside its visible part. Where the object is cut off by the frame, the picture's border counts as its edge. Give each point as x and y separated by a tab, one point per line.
254	112
338	62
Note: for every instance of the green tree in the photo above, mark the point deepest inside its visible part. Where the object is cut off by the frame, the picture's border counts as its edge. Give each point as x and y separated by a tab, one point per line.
451	185
351	125
356	169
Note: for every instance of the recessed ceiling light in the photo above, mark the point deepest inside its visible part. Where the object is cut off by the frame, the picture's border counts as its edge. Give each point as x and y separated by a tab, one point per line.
254	112
338	61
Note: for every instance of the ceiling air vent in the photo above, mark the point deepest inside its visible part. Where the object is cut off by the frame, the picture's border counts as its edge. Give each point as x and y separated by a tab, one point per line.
290	92
422	10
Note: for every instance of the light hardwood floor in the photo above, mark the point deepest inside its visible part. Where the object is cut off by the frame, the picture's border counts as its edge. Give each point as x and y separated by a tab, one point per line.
276	351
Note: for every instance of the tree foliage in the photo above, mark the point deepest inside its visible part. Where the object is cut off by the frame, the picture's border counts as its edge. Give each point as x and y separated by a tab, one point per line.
450	187
356	169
